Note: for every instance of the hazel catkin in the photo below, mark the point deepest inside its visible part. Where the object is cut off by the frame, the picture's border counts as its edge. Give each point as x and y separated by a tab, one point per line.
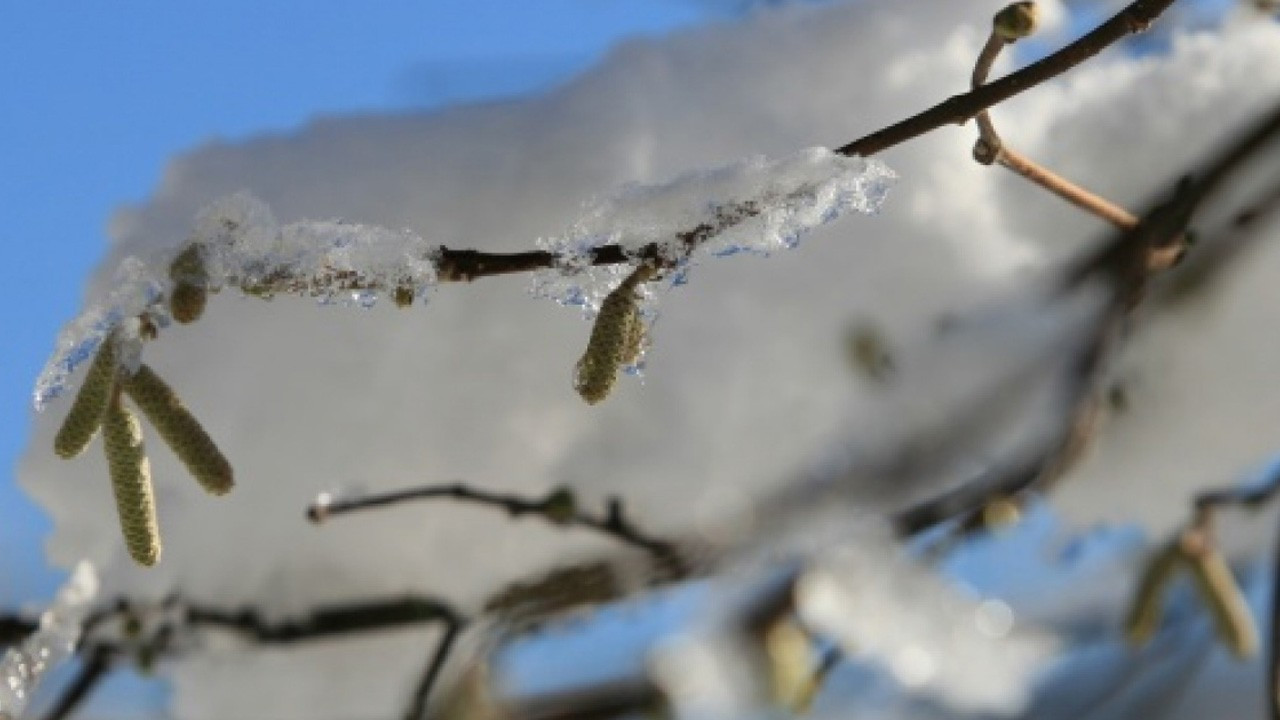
180	429
131	482
1232	618
85	417
1147	606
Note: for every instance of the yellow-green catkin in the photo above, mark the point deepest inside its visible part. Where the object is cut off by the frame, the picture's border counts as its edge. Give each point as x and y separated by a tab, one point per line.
180	429
131	480
616	340
1016	21
85	416
188	296
1147	606
1221	595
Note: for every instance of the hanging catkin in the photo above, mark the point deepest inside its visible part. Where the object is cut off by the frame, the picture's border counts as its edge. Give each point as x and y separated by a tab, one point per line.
1147	605
616	339
180	429
1221	595
131	480
85	416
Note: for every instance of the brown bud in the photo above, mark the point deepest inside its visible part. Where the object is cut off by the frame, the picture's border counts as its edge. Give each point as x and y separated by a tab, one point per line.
1016	21
187	301
560	507
180	429
131	480
85	417
403	296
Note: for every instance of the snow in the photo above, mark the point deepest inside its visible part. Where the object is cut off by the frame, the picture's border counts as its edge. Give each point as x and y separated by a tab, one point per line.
746	379
54	640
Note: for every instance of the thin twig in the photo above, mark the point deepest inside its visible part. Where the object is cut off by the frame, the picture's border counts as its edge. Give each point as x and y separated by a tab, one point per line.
558	508
96	665
960	108
418	703
15	629
990	148
328	621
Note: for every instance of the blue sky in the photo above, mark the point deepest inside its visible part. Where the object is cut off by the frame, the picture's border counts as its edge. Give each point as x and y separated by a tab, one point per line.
100	96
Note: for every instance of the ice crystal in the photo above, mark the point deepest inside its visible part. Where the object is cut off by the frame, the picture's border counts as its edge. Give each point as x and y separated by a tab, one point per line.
23	666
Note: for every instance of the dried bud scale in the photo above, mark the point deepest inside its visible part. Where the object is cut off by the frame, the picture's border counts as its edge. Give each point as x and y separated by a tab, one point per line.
85	417
131	481
180	429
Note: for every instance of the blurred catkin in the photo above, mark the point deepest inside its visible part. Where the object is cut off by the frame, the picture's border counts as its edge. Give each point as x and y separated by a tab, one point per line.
1221	595
85	416
131	481
1148	601
180	429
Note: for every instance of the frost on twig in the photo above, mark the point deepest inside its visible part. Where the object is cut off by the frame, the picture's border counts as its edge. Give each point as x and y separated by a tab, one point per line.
237	242
756	206
54	641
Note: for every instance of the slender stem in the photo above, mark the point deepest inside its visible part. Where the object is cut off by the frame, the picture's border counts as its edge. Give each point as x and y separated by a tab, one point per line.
418	703
613	523
94	669
960	108
990	148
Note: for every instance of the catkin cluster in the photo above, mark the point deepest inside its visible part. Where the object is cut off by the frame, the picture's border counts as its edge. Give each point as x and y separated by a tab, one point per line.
100	404
617	339
1215	585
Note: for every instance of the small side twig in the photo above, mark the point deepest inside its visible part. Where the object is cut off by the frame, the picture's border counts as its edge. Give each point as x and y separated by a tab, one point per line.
431	673
559	508
990	148
96	665
328	621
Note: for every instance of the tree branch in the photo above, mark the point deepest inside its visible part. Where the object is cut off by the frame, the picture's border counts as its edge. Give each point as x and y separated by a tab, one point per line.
467	265
431	673
328	621
960	108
